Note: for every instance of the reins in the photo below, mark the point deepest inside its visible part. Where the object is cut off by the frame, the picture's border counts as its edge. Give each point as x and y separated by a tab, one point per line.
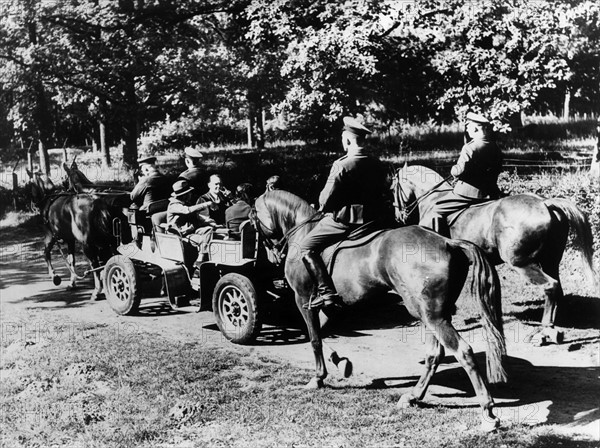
408	209
278	247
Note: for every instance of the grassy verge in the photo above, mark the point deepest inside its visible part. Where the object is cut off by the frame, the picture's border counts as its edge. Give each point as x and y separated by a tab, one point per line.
107	387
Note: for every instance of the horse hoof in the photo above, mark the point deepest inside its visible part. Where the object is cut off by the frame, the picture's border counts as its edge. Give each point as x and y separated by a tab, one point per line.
489	424
56	280
553	335
345	367
406	401
314	383
539	340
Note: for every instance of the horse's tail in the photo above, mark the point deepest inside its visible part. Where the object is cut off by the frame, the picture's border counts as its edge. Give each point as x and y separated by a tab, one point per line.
580	225
486	284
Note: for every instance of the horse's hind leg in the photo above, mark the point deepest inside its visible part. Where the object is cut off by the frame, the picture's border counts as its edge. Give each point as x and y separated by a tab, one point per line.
92	256
71	263
49	242
435	353
548	278
463	353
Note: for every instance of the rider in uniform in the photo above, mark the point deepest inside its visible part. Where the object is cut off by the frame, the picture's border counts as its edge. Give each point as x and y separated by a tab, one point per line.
477	170
152	186
355	193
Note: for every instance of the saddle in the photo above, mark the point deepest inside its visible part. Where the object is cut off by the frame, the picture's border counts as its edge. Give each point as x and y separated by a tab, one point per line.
358	237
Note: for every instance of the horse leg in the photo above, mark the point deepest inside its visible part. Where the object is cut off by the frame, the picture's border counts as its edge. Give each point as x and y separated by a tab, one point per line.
463	353
311	318
435	353
550	280
71	263
49	241
92	255
343	364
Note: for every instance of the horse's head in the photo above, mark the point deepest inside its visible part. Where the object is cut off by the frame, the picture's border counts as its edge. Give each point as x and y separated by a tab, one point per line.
75	180
41	186
404	196
278	216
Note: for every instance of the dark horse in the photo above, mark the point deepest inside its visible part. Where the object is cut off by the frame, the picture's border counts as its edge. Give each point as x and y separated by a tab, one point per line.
526	231
427	270
71	218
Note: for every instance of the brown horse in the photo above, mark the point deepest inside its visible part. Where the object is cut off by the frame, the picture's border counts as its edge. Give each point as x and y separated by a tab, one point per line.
427	270
526	231
71	218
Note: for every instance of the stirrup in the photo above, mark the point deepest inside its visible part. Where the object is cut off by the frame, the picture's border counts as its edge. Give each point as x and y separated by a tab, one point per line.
323	301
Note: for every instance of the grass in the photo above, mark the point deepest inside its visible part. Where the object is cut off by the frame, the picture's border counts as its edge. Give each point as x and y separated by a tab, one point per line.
99	388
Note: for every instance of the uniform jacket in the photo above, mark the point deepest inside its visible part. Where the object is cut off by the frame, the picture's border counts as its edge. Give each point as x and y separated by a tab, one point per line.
477	169
356	190
151	188
195	178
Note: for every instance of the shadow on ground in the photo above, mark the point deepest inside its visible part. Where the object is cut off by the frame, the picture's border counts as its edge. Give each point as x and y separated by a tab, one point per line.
534	394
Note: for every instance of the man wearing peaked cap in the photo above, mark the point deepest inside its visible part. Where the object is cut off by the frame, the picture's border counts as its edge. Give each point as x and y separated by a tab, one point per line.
356	193
146	161
476	169
152	185
355	127
194	174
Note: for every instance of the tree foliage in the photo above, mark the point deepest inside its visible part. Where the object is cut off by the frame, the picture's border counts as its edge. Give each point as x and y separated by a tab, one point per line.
135	65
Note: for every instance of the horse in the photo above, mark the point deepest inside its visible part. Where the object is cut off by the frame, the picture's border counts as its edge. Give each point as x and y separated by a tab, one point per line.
526	231
427	270
70	217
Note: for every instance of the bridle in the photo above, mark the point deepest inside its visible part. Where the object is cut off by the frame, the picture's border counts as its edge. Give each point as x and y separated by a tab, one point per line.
401	200
279	246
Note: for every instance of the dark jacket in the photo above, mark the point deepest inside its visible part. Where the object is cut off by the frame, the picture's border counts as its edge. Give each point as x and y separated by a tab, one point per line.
217	210
237	214
477	169
357	190
195	178
149	189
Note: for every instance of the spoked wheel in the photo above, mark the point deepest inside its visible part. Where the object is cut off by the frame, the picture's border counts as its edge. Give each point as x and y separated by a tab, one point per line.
120	285
235	308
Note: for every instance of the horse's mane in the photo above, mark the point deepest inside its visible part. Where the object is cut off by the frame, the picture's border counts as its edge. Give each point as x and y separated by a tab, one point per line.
420	175
286	208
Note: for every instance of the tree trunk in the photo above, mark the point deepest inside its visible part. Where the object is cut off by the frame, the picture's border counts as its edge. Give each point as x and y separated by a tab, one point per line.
40	111
567	105
250	130
130	125
260	128
44	158
103	147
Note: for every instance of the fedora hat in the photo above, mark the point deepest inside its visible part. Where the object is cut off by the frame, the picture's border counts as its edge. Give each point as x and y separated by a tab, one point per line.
180	188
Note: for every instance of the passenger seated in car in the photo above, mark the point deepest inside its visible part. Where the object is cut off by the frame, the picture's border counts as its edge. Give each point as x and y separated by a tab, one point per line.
240	210
183	217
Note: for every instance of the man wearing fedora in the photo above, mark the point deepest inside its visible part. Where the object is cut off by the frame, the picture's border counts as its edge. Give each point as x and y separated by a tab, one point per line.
356	192
183	216
194	174
152	186
476	171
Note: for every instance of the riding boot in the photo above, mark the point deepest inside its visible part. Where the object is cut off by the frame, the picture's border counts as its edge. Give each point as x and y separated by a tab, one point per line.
440	226
326	296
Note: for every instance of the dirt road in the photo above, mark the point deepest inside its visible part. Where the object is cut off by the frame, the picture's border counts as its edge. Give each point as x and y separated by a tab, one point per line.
552	385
